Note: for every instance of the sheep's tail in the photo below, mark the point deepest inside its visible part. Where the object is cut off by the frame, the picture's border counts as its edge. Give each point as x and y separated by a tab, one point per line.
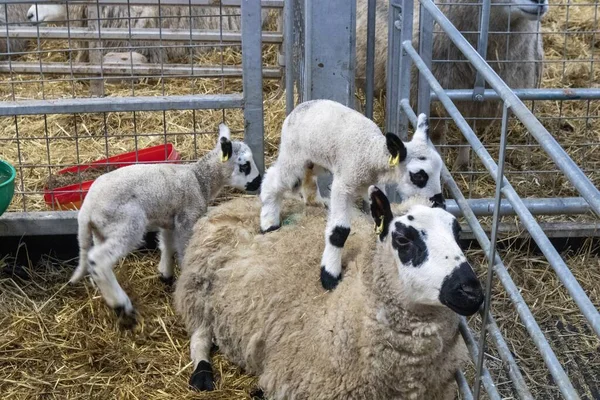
85	239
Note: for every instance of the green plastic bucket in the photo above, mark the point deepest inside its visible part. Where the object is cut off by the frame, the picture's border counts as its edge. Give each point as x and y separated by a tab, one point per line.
7	185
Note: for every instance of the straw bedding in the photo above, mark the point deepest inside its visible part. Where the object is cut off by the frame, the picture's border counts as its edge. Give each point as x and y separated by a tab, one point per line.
58	341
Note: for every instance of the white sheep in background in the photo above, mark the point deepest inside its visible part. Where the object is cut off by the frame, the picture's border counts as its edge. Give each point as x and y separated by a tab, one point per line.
120	16
16	16
522	47
123	204
389	331
324	135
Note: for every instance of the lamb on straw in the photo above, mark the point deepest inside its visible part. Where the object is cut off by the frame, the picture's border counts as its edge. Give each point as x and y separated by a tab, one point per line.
123	204
390	329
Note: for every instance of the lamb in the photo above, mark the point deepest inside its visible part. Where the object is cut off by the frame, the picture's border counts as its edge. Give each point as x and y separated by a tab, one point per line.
389	331
323	135
522	48
167	17
16	16
123	204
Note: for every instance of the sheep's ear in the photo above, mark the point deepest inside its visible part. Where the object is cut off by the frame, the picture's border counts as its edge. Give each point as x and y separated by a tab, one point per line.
422	132
380	211
396	148
226	149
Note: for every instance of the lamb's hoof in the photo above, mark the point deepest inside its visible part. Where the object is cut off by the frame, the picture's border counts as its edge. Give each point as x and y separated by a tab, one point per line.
270	229
202	378
329	281
167	281
127	320
257	394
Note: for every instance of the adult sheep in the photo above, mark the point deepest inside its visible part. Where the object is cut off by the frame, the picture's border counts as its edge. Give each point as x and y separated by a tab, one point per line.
516	56
12	14
389	331
140	17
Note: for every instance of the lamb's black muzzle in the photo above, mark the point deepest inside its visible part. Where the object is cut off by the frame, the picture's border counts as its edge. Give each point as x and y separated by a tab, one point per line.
254	185
461	291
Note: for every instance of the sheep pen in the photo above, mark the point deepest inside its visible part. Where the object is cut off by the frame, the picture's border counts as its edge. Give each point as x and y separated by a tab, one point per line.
60	341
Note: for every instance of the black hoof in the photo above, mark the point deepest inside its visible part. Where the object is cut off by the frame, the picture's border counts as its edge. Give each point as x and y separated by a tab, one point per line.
328	281
126	320
202	378
257	394
167	281
270	229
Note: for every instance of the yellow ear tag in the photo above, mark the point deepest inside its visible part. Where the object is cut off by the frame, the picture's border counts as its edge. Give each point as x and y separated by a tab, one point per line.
379	228
393	161
224	157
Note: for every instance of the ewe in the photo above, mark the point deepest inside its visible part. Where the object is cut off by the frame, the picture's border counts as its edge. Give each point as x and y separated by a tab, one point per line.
324	135
516	56
389	331
123	204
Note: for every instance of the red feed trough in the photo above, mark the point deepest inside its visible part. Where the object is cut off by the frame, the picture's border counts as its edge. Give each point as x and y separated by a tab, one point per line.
70	197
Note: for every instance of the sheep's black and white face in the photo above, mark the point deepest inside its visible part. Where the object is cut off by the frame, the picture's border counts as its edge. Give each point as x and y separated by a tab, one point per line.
245	175
532	10
422	167
430	263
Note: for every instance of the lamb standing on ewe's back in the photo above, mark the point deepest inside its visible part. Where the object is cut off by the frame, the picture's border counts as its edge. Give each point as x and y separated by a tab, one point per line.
516	56
326	135
138	17
389	331
123	204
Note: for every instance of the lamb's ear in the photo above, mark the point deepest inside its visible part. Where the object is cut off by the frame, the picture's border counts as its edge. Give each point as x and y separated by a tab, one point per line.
380	211
396	148
225	142
422	132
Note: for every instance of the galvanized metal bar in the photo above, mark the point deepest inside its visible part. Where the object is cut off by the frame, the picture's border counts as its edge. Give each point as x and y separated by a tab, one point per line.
207	3
492	252
426	53
463	386
252	80
526	94
404	80
557	263
125	71
488	382
558	373
393	65
308	45
95	54
370	62
581	182
288	26
147	34
484	25
536	206
121	104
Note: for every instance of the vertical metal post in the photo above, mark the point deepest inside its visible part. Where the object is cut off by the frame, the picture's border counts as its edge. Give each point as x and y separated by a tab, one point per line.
308	46
405	67
484	25
492	250
288	52
426	53
393	65
95	56
252	80
370	62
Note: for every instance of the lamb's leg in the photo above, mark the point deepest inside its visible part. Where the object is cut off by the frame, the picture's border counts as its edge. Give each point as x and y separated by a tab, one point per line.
338	229
84	237
200	344
278	179
184	226
167	251
101	260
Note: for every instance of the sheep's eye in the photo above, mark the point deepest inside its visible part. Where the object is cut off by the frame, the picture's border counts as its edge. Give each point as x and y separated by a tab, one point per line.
245	168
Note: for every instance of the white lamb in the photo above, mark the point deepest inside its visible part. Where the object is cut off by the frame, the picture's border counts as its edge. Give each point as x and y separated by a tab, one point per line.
323	135
389	331
122	205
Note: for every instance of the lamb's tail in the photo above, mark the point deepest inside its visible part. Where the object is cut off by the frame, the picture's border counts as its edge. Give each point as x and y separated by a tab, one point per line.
85	239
